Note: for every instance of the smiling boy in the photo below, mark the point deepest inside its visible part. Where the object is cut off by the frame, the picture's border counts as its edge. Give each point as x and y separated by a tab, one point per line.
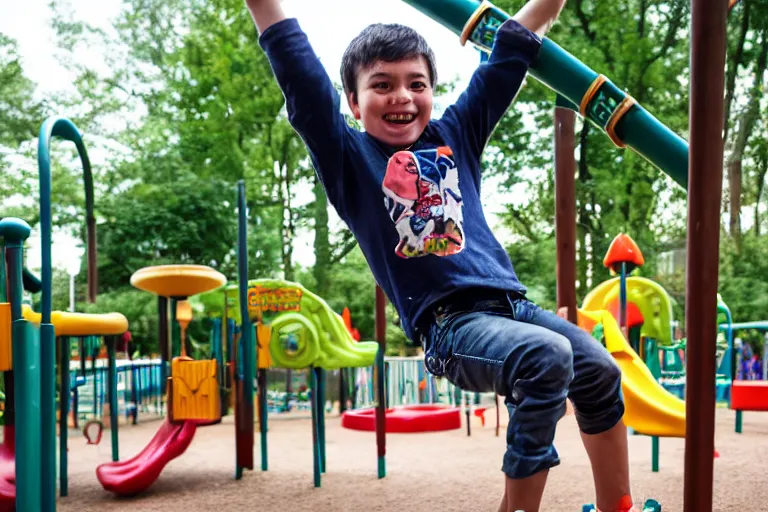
408	187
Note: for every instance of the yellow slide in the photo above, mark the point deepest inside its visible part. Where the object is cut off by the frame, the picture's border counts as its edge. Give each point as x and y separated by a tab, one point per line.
650	409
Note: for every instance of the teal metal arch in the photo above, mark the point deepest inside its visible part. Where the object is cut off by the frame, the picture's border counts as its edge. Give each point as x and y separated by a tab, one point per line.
64	129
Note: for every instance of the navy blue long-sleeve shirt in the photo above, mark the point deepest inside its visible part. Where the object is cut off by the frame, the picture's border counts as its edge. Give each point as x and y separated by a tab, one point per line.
417	214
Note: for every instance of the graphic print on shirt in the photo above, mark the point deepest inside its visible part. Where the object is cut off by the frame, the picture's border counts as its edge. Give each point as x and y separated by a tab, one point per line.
424	201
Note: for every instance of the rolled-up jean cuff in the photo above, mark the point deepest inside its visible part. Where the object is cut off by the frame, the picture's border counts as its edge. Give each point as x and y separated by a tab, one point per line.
603	421
516	466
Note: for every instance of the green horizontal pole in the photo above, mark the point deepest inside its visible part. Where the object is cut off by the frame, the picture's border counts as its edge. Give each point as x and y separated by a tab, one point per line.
571	78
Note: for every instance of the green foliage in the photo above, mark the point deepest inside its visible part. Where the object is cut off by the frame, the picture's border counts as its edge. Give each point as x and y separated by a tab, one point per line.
19	112
743	280
20	115
189	221
188	106
616	191
140	308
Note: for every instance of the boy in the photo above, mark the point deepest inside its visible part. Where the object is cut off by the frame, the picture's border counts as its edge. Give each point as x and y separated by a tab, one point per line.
408	188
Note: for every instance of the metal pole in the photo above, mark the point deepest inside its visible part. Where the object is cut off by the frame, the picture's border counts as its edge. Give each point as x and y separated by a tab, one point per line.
705	172
381	401
26	365
565	208
244	414
64	395
112	378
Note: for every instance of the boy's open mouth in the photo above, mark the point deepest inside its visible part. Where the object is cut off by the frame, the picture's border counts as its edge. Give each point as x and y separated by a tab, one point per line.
399	118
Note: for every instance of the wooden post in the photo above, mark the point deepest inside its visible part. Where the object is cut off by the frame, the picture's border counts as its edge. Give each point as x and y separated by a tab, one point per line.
705	173
565	208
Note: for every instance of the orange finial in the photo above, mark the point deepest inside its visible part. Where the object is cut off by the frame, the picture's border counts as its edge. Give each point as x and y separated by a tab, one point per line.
623	250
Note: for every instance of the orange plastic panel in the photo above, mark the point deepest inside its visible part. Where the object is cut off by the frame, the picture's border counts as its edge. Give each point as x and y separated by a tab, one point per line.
6	356
264	335
195	390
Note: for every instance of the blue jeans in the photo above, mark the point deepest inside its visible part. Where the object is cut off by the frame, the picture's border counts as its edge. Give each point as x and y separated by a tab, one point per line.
494	341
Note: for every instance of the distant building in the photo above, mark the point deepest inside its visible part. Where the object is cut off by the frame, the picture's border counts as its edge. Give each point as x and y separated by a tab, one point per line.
671	262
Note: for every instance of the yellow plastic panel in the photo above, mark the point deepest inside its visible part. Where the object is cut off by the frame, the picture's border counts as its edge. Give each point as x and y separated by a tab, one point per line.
81	324
177	280
195	390
6	356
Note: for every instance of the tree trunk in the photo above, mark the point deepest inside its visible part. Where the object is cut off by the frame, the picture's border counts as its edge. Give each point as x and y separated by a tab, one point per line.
286	175
733	69
322	241
762	171
584	218
746	126
734	209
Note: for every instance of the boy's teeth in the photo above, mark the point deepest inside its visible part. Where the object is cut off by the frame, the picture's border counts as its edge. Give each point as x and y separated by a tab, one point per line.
399	117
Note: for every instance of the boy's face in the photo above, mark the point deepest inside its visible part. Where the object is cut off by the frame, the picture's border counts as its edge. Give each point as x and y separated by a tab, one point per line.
394	100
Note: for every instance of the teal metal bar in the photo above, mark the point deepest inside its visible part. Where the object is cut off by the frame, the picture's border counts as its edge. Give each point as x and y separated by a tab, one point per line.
569	77
321	415
32	283
64	395
29	460
739	422
381	403
263	428
112	378
65	129
244	424
48	415
3	291
26	364
316	452
655	454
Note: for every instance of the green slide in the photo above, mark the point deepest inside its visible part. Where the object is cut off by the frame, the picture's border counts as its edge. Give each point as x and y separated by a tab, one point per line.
305	331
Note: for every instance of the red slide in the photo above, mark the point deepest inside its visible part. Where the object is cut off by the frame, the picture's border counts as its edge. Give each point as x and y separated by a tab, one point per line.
8	470
135	475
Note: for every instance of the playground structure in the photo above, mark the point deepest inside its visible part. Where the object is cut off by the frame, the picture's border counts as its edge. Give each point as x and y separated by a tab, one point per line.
599	100
28	344
295	329
747	395
193	386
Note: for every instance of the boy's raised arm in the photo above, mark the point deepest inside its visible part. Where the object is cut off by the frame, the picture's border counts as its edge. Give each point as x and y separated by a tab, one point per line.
494	85
265	13
539	15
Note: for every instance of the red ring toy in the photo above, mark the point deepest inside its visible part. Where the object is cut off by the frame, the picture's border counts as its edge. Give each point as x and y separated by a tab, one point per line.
406	419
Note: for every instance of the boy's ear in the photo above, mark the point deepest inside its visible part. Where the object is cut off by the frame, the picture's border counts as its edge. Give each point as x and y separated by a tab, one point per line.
353	105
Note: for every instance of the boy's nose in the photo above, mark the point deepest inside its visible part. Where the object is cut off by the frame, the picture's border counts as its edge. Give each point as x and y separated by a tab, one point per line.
400	96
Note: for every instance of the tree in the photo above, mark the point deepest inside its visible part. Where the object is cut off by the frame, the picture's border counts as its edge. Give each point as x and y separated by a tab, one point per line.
617	191
190	221
20	114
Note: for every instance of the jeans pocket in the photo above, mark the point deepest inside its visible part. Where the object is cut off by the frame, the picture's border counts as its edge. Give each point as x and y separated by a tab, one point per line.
523	309
438	349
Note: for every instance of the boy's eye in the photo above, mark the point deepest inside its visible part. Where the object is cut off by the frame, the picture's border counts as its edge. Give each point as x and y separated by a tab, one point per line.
418	85
381	85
